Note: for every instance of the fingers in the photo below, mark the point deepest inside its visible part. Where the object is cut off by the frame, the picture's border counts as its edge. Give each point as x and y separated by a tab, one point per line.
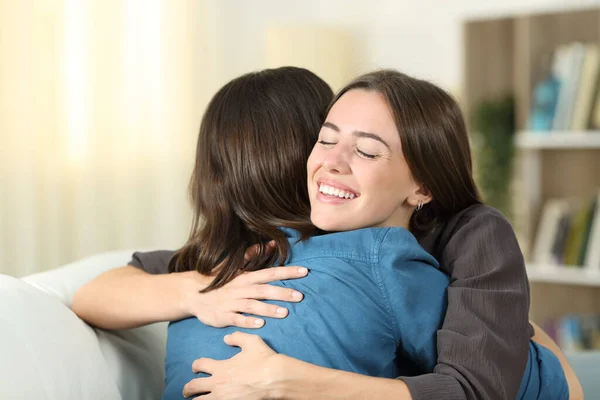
242	340
273	274
250	252
197	386
253	250
206	365
242	321
270	292
261	309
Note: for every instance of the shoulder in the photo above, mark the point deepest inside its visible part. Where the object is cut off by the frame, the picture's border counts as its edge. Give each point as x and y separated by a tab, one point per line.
360	245
480	239
481	223
477	217
398	245
153	262
478	214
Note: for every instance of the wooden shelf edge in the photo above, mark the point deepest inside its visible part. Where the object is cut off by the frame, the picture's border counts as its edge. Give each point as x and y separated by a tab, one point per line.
565	275
558	140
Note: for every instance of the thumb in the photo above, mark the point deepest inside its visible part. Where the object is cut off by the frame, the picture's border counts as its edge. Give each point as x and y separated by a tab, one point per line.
243	340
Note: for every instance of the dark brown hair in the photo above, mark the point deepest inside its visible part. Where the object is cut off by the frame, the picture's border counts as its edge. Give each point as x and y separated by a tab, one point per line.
434	142
250	173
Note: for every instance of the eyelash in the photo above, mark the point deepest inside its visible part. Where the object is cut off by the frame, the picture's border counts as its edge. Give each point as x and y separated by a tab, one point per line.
361	153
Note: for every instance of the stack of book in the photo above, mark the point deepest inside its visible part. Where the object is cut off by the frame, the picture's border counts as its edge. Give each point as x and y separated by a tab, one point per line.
569	234
575	332
569	98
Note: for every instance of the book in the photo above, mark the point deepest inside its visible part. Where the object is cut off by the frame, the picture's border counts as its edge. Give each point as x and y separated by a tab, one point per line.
588	228
560	240
569	66
592	257
575	333
552	213
587	88
576	235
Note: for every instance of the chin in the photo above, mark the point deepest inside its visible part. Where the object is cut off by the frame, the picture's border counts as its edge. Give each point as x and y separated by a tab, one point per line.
329	225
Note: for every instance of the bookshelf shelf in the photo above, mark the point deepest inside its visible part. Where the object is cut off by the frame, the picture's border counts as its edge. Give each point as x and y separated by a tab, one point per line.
558	140
563	275
512	54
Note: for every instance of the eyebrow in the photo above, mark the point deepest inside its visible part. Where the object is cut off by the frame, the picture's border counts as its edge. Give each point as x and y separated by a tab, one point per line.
359	134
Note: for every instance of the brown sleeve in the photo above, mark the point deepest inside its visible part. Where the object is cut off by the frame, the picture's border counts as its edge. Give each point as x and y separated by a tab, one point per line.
483	343
153	262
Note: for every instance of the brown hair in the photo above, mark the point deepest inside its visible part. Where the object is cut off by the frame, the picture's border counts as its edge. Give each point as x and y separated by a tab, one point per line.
434	142
250	173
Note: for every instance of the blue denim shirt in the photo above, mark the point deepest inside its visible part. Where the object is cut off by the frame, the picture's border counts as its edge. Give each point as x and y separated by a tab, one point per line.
373	302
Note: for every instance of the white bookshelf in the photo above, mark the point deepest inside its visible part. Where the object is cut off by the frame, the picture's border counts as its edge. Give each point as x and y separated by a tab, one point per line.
563	275
509	55
528	140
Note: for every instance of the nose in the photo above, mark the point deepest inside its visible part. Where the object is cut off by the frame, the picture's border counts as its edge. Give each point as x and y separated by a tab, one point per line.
336	160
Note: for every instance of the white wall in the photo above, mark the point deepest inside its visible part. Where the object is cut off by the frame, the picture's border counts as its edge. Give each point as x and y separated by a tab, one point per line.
74	183
420	37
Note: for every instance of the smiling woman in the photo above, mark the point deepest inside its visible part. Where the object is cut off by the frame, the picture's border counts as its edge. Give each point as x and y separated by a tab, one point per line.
359	152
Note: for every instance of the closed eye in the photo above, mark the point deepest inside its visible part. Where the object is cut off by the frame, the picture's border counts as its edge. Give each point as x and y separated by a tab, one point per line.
366	155
324	143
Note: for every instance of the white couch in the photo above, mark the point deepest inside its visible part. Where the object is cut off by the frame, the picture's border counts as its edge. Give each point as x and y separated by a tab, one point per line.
48	353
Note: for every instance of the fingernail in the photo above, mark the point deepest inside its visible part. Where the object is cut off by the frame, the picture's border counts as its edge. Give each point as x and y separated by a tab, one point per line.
281	311
297	295
302	271
258	322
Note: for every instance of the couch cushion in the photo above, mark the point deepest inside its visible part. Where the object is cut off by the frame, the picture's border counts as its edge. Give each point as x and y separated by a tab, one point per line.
135	357
131	361
47	352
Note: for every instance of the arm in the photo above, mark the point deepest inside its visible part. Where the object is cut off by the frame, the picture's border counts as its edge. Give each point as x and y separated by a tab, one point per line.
483	343
275	376
128	297
575	389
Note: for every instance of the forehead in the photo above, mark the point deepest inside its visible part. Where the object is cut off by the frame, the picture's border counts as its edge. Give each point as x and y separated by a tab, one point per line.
362	110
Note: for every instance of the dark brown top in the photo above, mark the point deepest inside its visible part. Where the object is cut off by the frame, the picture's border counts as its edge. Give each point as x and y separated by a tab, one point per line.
483	343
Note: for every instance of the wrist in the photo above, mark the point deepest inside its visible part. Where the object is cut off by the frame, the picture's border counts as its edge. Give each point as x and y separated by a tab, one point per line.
289	378
186	287
280	379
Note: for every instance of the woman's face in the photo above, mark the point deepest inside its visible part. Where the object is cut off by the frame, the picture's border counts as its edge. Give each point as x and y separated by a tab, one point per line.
357	174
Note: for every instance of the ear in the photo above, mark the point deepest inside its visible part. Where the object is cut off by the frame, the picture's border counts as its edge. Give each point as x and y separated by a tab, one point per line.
421	194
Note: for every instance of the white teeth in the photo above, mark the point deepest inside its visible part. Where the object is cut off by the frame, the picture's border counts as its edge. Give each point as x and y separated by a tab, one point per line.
332	191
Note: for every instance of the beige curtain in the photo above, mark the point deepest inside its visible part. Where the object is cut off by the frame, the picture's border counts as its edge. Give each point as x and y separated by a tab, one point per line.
100	103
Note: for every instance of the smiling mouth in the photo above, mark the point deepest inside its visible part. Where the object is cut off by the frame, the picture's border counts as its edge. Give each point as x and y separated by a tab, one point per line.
332	191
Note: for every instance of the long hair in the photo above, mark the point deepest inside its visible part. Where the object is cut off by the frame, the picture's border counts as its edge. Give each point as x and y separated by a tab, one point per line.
249	178
434	142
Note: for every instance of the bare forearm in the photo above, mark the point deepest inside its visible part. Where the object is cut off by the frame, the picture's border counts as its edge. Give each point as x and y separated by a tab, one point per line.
128	297
299	380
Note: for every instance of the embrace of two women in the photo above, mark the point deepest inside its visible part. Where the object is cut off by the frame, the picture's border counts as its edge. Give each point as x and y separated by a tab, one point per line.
339	250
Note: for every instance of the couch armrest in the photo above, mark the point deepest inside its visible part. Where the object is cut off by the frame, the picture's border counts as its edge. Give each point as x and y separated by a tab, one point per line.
47	352
63	282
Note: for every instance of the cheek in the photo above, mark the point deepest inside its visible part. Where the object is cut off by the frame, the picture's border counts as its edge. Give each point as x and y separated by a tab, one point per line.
313	162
